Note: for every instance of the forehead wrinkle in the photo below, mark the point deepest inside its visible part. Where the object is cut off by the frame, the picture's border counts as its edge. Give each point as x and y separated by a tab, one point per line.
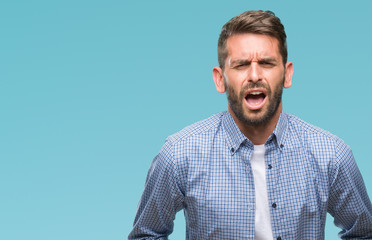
262	52
256	56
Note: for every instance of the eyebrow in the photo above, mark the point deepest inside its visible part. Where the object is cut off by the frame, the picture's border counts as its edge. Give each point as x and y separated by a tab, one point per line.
268	59
245	61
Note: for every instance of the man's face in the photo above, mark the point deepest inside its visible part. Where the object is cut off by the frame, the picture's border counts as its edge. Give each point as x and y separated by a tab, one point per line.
254	77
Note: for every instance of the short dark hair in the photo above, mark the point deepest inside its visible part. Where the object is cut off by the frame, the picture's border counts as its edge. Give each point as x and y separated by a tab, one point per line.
258	22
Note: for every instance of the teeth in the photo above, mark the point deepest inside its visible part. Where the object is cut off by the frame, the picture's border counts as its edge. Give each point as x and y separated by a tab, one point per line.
255	93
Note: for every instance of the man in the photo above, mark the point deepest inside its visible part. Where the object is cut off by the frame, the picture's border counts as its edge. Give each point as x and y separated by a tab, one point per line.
253	172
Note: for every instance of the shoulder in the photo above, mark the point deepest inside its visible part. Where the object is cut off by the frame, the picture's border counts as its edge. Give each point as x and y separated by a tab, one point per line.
173	156
323	148
317	139
204	127
191	137
305	129
298	124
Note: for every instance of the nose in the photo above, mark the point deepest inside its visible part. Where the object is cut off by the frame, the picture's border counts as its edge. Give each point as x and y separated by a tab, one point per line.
254	72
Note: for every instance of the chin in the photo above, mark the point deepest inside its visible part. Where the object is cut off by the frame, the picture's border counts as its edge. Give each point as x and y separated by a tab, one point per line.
257	117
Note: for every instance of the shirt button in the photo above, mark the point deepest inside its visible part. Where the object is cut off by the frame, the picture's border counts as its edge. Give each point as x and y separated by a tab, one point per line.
274	205
269	166
281	145
232	149
278	238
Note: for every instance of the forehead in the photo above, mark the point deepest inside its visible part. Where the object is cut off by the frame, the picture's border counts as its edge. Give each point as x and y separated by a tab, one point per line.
249	45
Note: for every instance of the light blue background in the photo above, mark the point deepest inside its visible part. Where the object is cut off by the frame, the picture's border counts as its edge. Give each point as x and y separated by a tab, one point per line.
89	90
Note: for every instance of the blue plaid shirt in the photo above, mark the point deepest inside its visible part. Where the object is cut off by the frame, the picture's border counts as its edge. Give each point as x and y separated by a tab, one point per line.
205	170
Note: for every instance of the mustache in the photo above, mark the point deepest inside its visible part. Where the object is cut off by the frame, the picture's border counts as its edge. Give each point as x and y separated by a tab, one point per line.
255	85
252	85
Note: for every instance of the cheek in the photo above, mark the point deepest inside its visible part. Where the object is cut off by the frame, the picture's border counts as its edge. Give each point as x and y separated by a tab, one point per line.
273	73
241	75
275	79
236	78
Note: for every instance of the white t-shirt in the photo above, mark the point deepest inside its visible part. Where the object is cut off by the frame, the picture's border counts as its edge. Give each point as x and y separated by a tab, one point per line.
263	229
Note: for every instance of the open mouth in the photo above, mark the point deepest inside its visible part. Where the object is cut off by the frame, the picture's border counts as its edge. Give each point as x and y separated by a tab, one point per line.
255	99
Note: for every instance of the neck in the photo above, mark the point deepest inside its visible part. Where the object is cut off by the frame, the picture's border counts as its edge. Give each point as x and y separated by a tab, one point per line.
258	134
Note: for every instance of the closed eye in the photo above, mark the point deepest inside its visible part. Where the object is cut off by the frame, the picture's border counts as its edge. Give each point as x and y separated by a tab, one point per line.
241	65
266	63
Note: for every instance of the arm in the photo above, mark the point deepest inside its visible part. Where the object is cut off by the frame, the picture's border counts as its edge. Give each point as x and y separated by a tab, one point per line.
348	200
161	199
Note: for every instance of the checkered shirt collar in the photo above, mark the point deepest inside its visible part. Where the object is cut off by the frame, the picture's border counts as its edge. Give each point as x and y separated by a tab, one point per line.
235	138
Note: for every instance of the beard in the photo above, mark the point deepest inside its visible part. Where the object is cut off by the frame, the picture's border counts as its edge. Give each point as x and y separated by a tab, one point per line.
236	103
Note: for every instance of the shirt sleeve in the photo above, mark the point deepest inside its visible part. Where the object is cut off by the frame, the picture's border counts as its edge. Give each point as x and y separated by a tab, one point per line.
349	203
161	199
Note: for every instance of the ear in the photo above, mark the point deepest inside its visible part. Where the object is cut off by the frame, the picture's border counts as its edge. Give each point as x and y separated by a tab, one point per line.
288	74
218	79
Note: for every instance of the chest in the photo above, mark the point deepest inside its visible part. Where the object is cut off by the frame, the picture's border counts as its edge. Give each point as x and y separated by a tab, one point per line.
220	194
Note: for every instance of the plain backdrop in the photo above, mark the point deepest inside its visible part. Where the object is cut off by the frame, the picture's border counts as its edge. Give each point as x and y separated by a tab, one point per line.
89	90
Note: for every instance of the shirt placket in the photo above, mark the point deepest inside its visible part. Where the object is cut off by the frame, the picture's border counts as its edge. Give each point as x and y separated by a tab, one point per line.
272	160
